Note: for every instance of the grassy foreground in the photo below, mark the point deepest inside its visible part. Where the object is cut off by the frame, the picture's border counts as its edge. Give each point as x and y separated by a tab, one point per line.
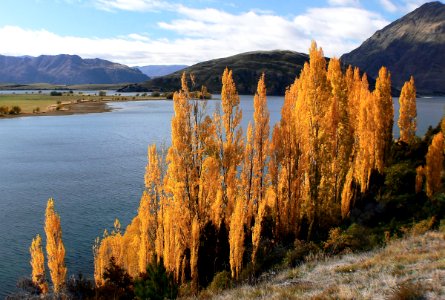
408	268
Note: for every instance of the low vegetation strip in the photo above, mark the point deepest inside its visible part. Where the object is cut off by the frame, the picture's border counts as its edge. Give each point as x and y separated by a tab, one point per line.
408	268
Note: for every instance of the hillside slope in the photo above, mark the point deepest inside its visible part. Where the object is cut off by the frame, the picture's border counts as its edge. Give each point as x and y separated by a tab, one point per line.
65	69
412	266
412	45
280	67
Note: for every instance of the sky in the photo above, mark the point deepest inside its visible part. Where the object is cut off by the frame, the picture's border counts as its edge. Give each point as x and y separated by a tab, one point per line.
164	32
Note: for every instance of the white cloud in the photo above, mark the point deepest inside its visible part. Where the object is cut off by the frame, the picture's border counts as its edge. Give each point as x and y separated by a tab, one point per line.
132	5
344	2
206	34
388	5
401	6
410	5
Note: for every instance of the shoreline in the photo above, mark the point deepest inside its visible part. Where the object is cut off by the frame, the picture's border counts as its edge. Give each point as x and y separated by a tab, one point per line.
86	107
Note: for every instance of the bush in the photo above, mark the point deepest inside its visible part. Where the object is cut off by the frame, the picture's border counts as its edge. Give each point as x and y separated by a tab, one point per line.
55	93
15	110
155	94
80	287
221	281
297	255
409	291
4	110
356	237
423	226
168	95
118	284
156	283
102	93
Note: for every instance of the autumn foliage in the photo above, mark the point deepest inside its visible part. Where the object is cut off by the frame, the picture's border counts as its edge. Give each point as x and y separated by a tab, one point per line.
299	178
218	199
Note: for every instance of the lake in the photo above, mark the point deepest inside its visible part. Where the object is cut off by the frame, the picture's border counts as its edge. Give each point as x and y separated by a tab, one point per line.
93	166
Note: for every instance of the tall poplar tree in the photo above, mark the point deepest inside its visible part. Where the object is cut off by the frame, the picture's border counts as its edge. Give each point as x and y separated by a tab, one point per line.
408	112
54	247
434	164
38	264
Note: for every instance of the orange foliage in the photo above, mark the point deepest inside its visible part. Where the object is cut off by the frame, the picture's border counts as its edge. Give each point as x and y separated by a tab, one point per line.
54	247
434	165
38	264
407	112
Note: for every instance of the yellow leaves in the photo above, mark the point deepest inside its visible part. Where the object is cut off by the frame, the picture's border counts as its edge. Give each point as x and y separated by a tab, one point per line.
408	112
194	252
260	141
54	247
420	173
38	264
434	164
236	238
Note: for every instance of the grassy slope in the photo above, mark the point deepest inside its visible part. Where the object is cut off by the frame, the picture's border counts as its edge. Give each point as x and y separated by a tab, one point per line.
412	266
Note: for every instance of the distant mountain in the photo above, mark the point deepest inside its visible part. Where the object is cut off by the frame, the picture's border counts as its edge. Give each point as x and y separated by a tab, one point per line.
280	67
412	45
160	70
65	69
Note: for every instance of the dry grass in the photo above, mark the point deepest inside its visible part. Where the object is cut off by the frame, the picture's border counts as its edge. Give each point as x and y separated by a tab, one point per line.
408	268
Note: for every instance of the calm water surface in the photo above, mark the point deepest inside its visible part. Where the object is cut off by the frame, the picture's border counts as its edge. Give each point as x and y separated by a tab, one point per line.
93	166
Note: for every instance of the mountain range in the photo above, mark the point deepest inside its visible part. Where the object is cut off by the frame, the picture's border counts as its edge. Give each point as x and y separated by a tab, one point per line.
160	70
65	69
412	45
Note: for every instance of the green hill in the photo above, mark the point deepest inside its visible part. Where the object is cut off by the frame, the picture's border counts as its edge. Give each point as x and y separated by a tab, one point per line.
281	68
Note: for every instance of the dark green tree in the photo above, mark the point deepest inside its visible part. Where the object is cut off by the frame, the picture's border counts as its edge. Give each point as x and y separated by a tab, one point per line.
156	283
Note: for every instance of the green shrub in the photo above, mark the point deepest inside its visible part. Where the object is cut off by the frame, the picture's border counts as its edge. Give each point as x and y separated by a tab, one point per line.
155	94
55	93
356	237
156	283
118	284
301	249
102	93
221	281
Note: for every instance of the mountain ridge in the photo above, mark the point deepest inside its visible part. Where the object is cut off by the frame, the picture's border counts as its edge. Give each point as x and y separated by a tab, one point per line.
412	45
160	70
65	69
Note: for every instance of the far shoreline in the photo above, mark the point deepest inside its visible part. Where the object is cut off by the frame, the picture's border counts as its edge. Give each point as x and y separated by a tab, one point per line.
84	107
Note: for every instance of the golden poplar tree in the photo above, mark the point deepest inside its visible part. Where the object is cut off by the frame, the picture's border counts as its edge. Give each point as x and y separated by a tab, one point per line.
434	165
148	209
260	142
314	94
38	264
54	247
420	173
236	238
229	138
384	116
247	175
408	112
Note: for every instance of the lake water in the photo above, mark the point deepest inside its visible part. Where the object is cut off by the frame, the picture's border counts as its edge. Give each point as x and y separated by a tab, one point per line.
93	166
